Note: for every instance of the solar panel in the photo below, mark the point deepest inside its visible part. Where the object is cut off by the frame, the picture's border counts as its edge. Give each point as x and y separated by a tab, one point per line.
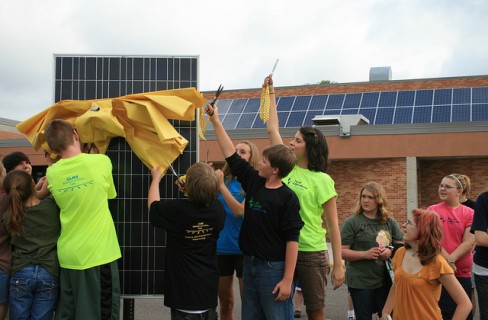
95	77
424	97
335	101
352	101
387	99
405	98
400	107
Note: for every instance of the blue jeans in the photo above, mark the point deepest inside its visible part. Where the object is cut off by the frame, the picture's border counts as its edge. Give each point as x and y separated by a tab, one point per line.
368	301
4	286
258	302
482	289
33	293
447	304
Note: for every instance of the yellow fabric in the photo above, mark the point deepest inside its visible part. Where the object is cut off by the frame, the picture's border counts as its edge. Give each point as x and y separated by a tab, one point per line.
142	119
264	104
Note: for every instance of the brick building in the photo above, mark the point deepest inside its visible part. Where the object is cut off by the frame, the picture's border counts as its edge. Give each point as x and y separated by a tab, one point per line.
408	157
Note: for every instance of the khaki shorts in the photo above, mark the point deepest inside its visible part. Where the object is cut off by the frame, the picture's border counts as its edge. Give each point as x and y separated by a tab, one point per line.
312	270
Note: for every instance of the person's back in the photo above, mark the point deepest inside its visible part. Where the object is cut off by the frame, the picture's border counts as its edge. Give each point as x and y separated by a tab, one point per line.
192	226
81	186
88	247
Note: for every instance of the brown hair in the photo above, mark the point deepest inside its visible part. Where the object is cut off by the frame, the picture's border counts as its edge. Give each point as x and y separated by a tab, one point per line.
19	187
202	184
379	194
253	159
59	135
280	157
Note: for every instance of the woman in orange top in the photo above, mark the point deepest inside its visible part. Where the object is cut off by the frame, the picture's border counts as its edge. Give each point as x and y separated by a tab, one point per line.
421	271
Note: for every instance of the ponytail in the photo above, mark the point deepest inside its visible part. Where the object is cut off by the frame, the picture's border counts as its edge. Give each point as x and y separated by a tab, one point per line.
19	187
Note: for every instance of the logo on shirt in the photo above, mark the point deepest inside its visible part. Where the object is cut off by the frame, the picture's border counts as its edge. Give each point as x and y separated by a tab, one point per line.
256	205
72	183
296	183
200	231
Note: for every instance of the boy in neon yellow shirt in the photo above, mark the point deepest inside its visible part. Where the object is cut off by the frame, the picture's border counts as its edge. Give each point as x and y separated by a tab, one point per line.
88	247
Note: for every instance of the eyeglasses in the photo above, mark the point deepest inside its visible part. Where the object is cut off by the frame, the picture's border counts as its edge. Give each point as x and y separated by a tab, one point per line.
446	186
409	222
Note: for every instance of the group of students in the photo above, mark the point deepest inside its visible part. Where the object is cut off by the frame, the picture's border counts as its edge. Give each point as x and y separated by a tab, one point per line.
419	271
58	245
263	216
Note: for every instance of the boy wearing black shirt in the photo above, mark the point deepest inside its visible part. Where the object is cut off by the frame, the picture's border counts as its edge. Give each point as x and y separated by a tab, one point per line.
192	226
270	230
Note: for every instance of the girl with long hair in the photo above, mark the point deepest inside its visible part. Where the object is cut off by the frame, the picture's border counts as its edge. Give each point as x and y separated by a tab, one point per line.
368	238
458	241
229	256
421	272
316	193
34	228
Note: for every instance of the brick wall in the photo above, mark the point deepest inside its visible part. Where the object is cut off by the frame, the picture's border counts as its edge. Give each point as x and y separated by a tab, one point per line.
350	176
431	173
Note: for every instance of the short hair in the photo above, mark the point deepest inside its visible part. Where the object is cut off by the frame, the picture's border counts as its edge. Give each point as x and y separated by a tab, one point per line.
11	160
429	228
202	184
59	135
316	148
280	157
379	194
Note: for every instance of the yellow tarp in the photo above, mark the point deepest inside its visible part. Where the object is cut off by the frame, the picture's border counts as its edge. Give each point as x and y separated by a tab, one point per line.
142	119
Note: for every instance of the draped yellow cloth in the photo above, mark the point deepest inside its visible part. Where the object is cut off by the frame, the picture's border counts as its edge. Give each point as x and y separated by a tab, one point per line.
142	119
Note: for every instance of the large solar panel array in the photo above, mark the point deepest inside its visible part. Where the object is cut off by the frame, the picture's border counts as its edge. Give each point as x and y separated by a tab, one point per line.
96	77
386	107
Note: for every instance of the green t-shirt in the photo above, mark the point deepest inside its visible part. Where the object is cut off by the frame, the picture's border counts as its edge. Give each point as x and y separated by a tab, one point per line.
313	189
37	243
360	232
81	186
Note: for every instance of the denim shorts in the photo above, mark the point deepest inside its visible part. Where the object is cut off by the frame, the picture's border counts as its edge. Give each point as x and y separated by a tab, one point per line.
4	286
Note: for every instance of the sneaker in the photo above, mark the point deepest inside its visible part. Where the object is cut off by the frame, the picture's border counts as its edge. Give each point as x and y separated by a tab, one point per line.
298	314
351	318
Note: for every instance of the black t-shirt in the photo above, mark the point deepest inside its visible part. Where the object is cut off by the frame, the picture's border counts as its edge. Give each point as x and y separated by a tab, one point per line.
191	275
480	223
271	216
469	203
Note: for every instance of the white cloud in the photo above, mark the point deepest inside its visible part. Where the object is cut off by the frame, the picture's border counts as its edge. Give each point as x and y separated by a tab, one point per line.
238	41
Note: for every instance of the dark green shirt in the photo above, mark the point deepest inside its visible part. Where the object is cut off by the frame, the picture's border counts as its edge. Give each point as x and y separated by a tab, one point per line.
360	233
37	243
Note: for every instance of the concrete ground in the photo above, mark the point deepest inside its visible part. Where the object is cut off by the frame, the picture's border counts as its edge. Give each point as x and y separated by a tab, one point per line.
336	306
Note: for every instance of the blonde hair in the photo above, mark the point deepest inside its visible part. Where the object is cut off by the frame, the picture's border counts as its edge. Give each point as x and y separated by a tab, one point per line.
464	181
379	195
253	159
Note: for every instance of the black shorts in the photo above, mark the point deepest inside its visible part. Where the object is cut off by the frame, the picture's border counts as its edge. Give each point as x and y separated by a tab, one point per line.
227	263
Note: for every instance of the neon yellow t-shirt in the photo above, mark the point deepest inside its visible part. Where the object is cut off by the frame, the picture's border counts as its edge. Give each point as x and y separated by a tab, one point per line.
81	186
313	189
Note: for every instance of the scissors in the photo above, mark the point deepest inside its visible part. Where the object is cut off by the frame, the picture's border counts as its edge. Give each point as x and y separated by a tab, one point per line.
173	170
216	97
217	94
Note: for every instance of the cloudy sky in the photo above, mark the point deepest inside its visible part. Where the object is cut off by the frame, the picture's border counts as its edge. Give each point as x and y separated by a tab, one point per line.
238	41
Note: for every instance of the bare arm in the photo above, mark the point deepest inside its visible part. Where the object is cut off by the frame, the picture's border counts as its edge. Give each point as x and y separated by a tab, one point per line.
464	247
235	206
225	143
389	304
330	209
481	238
153	194
272	124
458	294
284	286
